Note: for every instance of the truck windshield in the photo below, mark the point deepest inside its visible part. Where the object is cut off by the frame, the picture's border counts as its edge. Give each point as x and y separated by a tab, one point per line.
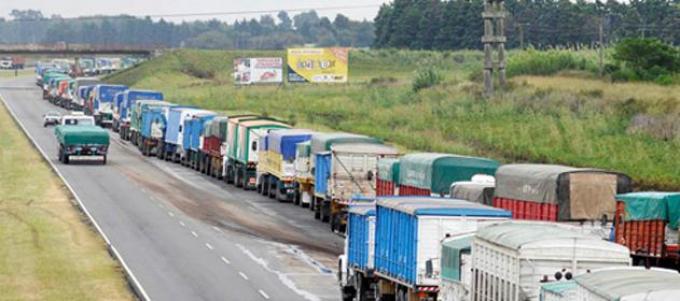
78	121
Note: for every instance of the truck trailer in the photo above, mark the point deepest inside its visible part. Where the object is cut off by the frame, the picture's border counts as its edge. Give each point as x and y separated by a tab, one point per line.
275	169
127	110
242	156
387	183
153	122
100	104
510	261
408	232
193	137
580	196
431	174
173	144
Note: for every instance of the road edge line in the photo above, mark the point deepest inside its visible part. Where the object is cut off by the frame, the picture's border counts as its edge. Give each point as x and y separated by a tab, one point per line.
136	286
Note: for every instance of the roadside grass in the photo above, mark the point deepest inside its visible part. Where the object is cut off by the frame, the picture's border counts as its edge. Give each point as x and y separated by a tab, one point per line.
21	73
47	252
565	119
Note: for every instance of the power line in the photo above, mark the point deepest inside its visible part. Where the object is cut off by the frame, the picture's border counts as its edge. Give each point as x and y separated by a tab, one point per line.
204	14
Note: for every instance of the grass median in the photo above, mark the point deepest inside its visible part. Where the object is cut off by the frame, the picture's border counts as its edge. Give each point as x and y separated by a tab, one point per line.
47	251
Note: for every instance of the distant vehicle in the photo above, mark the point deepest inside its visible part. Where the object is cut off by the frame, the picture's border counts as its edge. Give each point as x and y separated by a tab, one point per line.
12	62
78	137
51	118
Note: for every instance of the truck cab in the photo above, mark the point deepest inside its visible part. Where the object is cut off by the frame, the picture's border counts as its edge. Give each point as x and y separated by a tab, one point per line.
79	138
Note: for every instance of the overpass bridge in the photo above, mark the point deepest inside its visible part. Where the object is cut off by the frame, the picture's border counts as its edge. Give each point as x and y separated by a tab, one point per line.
71	50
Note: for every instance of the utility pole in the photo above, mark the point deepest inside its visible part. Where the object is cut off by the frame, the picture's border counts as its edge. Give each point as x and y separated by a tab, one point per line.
493	40
601	52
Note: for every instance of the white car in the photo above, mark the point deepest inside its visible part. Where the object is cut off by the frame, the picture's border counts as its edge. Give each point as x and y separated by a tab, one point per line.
51	118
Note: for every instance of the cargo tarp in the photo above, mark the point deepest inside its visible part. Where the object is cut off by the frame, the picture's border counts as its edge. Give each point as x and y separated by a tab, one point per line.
284	142
218	128
322	142
388	170
652	206
81	135
581	193
436	172
450	261
617	284
473	192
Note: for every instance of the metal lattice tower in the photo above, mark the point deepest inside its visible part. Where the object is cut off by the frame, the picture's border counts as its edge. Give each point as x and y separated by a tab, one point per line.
494	40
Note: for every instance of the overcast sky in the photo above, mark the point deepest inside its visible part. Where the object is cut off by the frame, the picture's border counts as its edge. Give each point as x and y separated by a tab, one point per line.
354	9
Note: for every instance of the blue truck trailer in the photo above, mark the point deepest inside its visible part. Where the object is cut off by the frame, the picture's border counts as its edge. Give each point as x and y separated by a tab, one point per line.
193	137
130	98
408	233
117	105
101	103
154	116
173	149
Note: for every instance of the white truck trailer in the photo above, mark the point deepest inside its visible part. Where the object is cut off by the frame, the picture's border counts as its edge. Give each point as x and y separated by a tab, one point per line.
510	261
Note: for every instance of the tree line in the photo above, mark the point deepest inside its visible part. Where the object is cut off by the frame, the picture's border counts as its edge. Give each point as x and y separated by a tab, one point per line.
457	24
31	26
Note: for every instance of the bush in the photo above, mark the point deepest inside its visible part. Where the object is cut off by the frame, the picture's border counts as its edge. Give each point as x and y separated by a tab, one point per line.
426	78
532	62
646	59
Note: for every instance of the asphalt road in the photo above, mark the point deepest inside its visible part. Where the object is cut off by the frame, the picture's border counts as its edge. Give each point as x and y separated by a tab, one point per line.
186	236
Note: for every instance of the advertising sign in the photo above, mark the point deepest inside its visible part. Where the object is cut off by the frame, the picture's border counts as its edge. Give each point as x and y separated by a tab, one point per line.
259	70
318	65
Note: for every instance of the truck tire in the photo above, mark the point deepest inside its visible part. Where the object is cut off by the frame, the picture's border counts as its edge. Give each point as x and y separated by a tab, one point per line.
325	212
104	160
316	208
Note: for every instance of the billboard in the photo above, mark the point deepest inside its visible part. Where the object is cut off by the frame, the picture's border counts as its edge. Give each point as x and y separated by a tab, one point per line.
318	65
258	70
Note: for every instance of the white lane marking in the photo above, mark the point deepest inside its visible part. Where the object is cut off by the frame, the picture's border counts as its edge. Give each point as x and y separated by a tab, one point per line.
181	223
135	282
171	214
217	229
244	276
194	234
264	295
225	260
207	245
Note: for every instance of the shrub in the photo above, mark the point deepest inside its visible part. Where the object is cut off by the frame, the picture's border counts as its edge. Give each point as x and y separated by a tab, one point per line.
426	78
646	59
532	62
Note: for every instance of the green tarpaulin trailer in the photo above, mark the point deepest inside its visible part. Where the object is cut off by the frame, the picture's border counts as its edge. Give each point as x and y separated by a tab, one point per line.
644	206
435	172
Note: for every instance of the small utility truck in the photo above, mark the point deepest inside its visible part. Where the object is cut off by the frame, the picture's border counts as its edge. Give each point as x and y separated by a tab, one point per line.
80	138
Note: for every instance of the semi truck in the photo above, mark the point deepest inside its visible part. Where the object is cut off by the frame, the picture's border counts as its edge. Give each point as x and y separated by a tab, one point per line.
510	261
431	174
79	96
127	110
647	223
304	177
100	104
275	169
321	146
212	152
229	146
78	137
173	144
616	284
348	170
580	196
152	124
408	232
242	156
193	137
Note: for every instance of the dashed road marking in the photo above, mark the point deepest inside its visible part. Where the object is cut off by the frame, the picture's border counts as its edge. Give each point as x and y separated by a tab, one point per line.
225	260
194	234
264	295
207	245
217	229
171	214
181	223
244	276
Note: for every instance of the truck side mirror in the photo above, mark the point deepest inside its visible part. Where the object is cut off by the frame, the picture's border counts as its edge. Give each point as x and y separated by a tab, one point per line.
429	268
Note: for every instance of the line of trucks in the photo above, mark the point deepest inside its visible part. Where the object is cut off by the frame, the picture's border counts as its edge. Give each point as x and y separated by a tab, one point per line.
418	226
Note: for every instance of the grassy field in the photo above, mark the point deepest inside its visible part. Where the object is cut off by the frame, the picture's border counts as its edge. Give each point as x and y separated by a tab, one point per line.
570	118
47	252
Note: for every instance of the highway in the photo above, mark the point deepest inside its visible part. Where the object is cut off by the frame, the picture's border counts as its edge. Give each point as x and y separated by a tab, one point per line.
186	236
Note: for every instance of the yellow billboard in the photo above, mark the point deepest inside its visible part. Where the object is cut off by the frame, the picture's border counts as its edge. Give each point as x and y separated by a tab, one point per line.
318	65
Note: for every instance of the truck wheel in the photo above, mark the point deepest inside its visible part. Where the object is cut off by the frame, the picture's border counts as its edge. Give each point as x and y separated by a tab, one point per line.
316	208
333	223
325	212
104	161
66	160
